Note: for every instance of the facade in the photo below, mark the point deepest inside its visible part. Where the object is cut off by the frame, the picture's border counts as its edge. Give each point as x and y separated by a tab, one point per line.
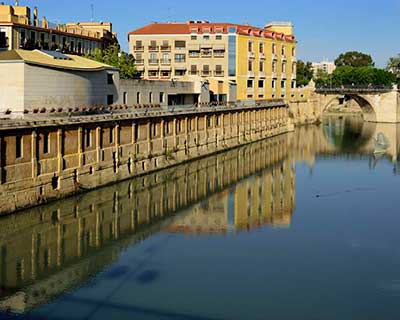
39	81
19	29
324	66
260	61
163	93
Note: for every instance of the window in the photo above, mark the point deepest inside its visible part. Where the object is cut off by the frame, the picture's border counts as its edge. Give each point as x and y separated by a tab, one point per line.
88	138
111	136
137	97
206	37
193	69
283	84
153	45
162	100
261	83
283	50
150	97
218	70
283	67
232	29
110	99
165	58
206	70
18	147
273	84
110	78
261	47
273	48
53	38
193	37
33	36
180	57
274	66
180	44
232	53
139	44
250	45
46	139
180	72
294	67
218	37
3	38
250	65
261	66
125	98
153	58
249	83
293	84
293	52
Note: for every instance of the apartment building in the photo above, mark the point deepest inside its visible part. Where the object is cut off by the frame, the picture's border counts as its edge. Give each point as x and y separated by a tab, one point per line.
20	29
260	61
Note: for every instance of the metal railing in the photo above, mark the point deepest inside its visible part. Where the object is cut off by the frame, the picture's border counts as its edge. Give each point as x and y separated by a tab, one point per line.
353	89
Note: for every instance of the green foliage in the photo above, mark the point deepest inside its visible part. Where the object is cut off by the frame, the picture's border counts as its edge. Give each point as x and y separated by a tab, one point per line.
394	67
322	77
113	56
361	76
304	73
354	59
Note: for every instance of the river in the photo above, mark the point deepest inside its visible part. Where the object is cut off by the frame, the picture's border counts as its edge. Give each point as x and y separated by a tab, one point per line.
301	226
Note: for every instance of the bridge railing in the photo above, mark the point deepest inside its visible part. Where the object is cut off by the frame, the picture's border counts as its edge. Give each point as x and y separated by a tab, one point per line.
355	89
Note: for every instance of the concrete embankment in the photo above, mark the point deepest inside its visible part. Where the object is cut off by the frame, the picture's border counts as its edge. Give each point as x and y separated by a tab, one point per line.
44	160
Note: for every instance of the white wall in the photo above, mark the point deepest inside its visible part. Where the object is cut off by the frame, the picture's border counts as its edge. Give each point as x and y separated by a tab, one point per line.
12	86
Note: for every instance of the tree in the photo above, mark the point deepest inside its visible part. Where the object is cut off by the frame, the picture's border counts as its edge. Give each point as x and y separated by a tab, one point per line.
393	65
113	56
354	59
359	76
304	73
322	77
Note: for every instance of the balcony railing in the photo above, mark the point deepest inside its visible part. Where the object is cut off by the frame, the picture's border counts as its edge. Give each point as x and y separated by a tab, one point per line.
139	62
194	54
251	55
262	74
180	60
165	75
138	48
218	73
165	48
262	55
205	73
153	61
153	75
193	72
219	54
153	48
166	62
206	54
274	56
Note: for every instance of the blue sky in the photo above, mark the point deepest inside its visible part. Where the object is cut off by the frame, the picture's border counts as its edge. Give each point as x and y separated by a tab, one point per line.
323	28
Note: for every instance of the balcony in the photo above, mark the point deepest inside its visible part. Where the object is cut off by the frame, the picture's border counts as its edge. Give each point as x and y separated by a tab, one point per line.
165	75
262	74
252	55
262	55
165	62
153	62
219	54
205	73
153	48
193	72
153	75
250	74
274	56
284	58
138	48
206	54
165	48
274	75
194	54
139	62
218	73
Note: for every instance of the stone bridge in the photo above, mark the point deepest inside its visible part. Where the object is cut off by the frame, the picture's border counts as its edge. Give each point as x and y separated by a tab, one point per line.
378	104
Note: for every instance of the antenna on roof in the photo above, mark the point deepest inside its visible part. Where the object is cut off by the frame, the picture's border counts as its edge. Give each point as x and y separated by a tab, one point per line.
92	10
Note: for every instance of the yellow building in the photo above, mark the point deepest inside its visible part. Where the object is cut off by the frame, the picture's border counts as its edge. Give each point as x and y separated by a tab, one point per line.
260	61
19	29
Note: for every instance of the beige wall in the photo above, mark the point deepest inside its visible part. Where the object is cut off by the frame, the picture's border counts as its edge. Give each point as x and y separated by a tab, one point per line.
12	86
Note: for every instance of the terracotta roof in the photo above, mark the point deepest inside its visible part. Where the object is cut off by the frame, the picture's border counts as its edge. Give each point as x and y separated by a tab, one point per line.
40	58
215	27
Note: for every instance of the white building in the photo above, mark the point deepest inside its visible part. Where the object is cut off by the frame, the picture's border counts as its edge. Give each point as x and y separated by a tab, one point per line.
48	80
325	66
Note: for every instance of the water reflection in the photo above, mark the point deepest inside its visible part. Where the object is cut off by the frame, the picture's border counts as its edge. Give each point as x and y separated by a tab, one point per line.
50	250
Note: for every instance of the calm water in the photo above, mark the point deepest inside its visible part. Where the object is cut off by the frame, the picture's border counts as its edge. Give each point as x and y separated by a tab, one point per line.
303	226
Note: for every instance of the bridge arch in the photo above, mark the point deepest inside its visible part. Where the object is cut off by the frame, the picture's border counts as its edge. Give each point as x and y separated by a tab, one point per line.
366	106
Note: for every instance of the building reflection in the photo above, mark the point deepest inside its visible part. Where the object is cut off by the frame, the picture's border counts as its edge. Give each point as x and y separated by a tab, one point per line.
50	249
